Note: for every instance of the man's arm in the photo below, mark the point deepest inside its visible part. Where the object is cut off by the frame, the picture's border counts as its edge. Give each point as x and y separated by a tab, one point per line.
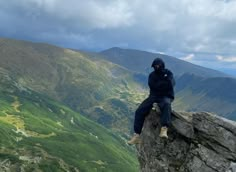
170	78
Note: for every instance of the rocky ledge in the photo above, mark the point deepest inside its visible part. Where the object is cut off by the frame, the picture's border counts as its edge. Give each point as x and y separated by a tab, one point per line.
198	142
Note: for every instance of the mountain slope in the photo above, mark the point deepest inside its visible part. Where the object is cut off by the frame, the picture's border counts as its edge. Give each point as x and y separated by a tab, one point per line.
38	133
140	61
101	90
216	95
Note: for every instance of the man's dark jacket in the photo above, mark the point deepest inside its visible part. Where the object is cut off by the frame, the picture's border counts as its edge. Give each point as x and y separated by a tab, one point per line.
161	81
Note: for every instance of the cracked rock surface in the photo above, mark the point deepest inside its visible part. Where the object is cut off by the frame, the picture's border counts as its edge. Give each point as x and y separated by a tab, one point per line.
198	142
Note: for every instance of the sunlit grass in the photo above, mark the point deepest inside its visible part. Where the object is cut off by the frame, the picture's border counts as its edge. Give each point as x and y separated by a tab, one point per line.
38	127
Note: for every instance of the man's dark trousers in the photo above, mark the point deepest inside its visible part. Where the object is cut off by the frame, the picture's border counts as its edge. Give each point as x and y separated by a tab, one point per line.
145	107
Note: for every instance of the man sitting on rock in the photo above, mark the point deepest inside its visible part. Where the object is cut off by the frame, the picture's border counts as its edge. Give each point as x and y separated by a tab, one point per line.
161	83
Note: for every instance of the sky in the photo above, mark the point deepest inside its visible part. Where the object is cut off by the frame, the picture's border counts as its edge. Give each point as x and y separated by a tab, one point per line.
202	32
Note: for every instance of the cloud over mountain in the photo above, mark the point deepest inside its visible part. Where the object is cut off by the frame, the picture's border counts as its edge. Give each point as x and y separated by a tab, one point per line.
189	27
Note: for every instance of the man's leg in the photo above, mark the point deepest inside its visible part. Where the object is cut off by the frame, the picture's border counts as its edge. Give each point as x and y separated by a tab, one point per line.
140	115
165	107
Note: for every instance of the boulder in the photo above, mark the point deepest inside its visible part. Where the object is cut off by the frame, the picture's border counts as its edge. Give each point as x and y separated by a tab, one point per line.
198	142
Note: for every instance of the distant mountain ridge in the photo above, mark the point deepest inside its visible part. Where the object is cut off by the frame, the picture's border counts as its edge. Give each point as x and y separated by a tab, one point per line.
216	95
197	88
140	61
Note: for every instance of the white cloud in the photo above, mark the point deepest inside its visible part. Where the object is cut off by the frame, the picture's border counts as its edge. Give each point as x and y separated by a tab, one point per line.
165	26
189	57
202	32
226	59
92	13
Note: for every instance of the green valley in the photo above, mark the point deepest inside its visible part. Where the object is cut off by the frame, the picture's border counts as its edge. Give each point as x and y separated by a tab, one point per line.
38	133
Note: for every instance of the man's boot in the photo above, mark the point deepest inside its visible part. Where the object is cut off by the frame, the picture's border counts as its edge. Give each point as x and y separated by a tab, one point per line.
163	133
135	139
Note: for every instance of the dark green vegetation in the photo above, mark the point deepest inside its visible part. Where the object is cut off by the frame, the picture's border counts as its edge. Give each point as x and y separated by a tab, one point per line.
38	133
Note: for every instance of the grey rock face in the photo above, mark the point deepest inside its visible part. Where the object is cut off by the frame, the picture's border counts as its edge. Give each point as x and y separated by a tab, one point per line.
198	142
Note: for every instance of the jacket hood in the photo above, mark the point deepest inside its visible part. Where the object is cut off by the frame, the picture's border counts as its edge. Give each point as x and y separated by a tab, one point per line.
158	61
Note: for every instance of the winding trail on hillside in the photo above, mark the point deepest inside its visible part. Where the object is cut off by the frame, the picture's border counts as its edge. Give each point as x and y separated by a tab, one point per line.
16	104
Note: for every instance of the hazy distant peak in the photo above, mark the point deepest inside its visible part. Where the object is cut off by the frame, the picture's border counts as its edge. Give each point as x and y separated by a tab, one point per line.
139	61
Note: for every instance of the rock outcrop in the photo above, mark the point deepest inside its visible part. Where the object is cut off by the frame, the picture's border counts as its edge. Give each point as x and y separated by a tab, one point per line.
198	142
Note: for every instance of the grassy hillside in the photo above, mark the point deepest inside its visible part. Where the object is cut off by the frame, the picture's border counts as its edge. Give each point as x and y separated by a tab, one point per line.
215	95
40	134
94	87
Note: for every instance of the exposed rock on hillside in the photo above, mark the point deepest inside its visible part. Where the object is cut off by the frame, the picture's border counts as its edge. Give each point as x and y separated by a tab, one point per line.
198	142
